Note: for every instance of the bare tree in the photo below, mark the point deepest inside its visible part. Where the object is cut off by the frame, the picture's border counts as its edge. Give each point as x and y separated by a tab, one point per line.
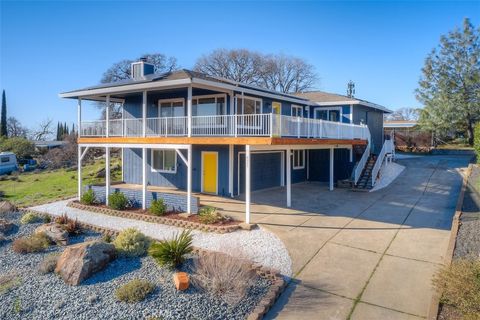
276	72
121	70
44	131
239	65
15	128
409	114
287	74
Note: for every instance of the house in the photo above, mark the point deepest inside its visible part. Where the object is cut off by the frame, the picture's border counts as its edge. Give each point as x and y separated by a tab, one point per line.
187	131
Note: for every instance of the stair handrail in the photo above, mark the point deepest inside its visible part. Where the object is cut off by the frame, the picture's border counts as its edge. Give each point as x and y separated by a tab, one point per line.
378	164
361	165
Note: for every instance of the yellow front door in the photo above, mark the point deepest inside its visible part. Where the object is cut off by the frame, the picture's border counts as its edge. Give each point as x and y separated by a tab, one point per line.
209	172
276	107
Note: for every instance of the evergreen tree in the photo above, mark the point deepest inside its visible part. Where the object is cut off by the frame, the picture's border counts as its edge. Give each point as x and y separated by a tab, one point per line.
3	121
58	131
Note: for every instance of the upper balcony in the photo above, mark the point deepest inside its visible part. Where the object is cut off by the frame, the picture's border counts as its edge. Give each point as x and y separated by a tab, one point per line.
251	125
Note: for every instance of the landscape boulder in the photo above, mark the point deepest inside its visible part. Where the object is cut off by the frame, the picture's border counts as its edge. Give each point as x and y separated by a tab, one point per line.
7	206
80	261
5	226
54	232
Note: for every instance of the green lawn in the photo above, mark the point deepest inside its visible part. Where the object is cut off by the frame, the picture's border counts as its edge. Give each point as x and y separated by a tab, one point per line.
34	188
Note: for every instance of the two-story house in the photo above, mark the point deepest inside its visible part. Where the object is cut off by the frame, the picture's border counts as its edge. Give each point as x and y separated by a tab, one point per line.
191	132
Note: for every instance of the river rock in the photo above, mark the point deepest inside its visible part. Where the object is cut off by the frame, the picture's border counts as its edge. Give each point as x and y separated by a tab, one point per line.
54	232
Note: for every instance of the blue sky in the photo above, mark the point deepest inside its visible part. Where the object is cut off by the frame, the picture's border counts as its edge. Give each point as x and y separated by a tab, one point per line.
50	47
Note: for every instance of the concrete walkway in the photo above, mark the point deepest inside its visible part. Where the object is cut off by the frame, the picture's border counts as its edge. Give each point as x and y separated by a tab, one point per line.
365	255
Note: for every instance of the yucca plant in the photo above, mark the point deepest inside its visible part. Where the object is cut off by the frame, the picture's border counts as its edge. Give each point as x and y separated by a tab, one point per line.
171	253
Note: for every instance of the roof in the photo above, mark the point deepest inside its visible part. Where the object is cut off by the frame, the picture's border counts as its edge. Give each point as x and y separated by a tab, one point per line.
182	76
399	123
329	99
49	144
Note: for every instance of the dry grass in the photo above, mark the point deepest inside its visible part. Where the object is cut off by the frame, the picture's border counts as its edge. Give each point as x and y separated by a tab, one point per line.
134	291
224	276
8	282
49	263
459	285
34	243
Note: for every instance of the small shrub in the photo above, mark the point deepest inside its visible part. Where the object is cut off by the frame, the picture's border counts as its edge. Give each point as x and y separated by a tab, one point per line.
49	263
459	285
34	243
107	238
131	243
88	197
171	253
47	219
72	227
158	207
209	215
63	219
117	201
8	281
30	217
17	306
134	291
223	276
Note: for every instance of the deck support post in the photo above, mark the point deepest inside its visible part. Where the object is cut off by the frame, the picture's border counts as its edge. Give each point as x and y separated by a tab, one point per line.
107	174
289	178
307	155
79	117
247	183
79	168
144	113
189	111
230	170
107	116
189	179
144	178
332	154
351	153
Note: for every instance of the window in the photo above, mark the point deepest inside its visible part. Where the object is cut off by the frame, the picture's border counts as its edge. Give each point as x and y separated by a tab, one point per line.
171	108
5	159
330	114
297	111
298	159
208	105
249	105
164	160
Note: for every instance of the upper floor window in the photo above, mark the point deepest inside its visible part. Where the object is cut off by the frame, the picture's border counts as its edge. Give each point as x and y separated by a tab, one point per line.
209	105
297	111
164	160
298	159
171	108
248	105
330	114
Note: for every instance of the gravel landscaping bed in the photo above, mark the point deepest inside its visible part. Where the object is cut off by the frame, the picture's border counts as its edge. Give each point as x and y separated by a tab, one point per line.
468	238
47	297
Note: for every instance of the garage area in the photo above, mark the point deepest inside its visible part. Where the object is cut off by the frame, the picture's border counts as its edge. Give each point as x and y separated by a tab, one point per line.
266	170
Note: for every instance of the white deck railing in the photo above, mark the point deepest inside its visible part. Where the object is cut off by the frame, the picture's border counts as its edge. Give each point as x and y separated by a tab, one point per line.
253	125
386	148
361	165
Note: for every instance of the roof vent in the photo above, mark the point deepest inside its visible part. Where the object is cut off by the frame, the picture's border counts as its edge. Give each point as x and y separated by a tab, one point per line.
141	68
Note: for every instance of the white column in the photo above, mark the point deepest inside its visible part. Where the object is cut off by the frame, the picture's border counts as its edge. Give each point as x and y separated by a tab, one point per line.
79	117
144	178
144	114
331	169
307	155
230	170
351	154
107	174
247	183
107	116
189	179
79	168
189	111
289	178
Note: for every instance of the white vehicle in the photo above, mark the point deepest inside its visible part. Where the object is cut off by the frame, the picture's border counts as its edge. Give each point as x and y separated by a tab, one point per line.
8	163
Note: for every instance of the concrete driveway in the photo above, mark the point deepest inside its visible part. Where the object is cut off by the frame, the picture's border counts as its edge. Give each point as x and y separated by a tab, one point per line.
362	255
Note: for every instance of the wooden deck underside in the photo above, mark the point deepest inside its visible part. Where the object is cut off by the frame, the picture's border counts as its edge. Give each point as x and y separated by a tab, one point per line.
221	141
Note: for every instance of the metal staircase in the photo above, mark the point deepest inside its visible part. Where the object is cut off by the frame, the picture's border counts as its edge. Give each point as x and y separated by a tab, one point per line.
364	182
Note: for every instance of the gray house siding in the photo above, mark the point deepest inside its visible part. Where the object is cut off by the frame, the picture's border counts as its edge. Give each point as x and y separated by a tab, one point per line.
374	120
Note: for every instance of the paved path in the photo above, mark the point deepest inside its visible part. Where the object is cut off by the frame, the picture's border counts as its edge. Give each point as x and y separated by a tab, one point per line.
365	255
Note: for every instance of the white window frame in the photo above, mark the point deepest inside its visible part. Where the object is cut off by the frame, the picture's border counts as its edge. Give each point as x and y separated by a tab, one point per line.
340	109
219	95
296	107
239	96
160	101
296	154
161	170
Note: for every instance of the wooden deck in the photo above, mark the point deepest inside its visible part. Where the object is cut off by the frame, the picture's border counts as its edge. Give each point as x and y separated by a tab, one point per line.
220	141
